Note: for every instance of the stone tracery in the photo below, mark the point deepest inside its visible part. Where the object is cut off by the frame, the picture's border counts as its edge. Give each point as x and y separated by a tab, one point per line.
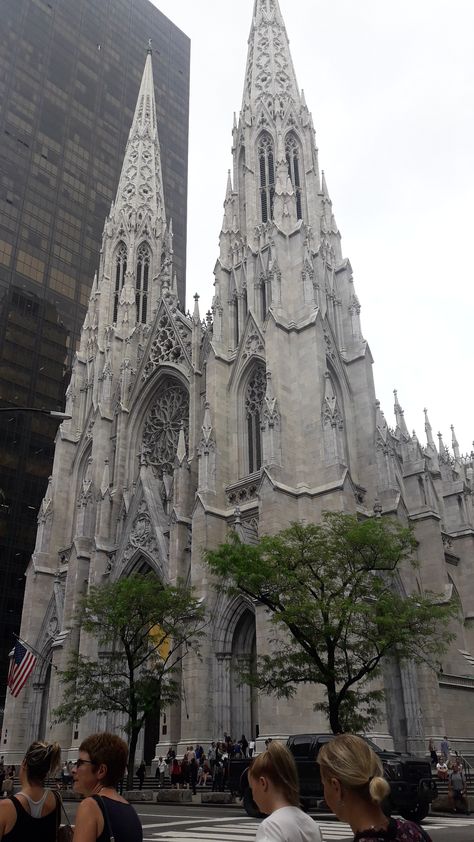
160	437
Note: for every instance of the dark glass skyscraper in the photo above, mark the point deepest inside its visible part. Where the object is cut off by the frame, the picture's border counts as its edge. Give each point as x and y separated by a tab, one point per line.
70	73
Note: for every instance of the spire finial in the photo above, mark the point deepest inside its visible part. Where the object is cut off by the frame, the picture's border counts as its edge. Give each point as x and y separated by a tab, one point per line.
149	48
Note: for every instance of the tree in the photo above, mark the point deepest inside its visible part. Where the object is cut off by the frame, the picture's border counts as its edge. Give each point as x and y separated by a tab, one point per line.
143	630
334	590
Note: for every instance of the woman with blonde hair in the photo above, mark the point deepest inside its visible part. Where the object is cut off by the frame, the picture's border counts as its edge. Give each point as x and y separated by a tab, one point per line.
33	813
275	790
354	789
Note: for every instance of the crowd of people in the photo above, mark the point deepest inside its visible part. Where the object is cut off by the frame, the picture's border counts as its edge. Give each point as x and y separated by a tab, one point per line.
351	773
200	767
449	768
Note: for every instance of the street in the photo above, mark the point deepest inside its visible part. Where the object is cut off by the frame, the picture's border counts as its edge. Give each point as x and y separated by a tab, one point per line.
169	823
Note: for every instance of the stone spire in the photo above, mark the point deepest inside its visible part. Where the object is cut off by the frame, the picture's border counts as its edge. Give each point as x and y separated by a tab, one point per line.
429	431
455	444
401	424
140	190
270	73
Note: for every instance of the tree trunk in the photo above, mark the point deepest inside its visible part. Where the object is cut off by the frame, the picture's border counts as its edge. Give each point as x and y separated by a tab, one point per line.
131	755
333	705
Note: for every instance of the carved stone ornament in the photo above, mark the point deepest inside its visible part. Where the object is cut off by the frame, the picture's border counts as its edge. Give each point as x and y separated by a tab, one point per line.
142	536
53	626
168	345
253	345
161	434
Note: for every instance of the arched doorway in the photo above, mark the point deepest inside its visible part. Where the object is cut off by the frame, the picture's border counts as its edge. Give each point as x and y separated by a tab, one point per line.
243	707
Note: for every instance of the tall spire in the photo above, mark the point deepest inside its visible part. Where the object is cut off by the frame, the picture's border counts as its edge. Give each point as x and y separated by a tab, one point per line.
270	73
140	191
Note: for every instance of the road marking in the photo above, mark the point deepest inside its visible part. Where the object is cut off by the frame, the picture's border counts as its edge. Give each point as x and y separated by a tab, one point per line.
244	830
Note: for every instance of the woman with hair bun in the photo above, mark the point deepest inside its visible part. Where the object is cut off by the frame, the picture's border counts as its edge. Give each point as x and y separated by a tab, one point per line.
34	812
275	789
354	788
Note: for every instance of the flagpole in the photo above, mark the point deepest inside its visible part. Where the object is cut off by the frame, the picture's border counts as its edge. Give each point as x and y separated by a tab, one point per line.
35	651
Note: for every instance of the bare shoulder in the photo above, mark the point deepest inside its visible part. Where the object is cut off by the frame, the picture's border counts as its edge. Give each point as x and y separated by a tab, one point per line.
88	807
7	815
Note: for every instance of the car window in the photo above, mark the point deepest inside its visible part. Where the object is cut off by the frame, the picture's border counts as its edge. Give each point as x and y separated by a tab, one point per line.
300	746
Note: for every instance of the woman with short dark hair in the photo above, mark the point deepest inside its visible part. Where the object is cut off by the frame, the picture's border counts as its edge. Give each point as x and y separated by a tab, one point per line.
103	812
34	812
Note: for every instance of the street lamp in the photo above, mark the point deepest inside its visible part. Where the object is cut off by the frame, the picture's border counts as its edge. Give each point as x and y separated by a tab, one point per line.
60	416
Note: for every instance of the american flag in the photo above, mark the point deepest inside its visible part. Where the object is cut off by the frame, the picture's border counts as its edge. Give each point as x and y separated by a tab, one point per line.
22	662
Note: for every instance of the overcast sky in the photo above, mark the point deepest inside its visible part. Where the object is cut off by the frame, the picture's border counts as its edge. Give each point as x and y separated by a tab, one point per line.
391	89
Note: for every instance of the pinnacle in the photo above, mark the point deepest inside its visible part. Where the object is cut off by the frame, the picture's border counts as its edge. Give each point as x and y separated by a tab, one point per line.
401	423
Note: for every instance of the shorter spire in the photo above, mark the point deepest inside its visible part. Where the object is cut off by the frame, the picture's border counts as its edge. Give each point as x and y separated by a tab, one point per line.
429	430
228	193
455	444
399	415
196	315
324	187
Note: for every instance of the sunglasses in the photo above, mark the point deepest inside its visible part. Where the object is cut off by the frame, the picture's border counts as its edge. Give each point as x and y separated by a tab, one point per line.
81	762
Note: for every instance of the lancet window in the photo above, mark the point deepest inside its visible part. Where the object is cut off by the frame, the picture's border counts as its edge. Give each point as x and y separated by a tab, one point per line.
267	176
254	397
292	150
120	271
141	286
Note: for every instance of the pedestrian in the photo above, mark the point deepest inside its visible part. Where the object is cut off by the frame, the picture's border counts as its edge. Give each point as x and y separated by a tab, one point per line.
442	770
8	781
161	770
218	778
193	774
244	745
433	753
457	790
251	747
444	748
141	774
176	774
275	789
34	812
103	813
354	789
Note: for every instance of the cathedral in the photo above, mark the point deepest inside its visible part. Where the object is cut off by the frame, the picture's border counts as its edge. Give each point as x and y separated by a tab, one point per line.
261	413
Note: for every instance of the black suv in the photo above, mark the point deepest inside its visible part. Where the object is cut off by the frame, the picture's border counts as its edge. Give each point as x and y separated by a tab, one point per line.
411	785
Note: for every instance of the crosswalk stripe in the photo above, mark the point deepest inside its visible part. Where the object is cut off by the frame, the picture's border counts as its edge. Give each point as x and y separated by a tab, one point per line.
244	830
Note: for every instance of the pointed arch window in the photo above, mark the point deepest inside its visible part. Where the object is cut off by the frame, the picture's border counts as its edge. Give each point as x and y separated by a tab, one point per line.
254	397
142	279
120	271
292	150
266	162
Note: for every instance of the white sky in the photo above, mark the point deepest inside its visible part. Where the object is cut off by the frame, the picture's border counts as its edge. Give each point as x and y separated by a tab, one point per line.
391	89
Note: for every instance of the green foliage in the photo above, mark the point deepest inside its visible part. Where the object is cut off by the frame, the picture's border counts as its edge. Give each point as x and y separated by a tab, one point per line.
143	631
335	591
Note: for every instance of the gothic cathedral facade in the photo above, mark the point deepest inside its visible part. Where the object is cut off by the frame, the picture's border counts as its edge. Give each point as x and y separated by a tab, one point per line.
261	414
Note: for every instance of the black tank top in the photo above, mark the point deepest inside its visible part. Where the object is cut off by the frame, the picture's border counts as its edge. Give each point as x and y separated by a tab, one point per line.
26	827
124	822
